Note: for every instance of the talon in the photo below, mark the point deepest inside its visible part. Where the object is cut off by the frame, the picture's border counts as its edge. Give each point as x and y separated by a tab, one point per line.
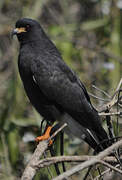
46	136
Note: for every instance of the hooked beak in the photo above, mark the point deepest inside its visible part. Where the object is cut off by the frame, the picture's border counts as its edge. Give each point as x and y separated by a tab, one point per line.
18	31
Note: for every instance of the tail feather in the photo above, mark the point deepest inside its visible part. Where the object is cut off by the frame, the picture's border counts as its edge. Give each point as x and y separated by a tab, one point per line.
97	142
98	131
76	129
97	139
103	138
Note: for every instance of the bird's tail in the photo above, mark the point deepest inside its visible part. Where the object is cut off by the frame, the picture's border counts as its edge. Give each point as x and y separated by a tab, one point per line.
100	140
95	140
97	133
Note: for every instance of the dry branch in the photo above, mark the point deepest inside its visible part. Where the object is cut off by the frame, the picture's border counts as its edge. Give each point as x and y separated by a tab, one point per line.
113	101
90	162
110	114
105	172
110	166
49	161
31	168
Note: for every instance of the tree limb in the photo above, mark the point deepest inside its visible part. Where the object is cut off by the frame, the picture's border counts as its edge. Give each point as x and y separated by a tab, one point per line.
49	161
110	114
31	169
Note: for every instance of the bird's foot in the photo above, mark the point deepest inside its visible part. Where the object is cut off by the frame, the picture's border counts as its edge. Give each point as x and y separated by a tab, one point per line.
45	136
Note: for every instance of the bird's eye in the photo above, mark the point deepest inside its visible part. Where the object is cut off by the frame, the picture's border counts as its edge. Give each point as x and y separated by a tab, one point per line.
28	27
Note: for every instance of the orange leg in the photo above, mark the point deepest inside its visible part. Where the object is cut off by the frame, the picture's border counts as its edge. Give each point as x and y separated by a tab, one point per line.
46	136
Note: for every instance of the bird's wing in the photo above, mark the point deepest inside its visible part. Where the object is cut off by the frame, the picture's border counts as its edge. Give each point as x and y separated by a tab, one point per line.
63	89
61	86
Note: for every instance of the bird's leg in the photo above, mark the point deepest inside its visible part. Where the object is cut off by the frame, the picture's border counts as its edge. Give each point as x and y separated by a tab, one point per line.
45	136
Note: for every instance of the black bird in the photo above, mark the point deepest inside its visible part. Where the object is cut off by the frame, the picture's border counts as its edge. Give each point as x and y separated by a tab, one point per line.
53	88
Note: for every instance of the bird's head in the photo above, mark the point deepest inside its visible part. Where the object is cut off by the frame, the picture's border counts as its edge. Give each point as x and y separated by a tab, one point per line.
26	29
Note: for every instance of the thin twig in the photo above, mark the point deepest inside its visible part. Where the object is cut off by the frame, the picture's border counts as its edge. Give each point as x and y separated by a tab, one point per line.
87	173
57	131
96	97
102	91
113	101
118	87
99	171
104	172
48	169
110	113
110	166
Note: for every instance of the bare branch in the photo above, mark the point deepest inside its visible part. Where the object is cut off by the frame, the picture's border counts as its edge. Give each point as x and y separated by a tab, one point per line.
99	98
31	168
58	130
110	166
104	172
118	87
113	100
102	91
90	162
49	161
110	114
